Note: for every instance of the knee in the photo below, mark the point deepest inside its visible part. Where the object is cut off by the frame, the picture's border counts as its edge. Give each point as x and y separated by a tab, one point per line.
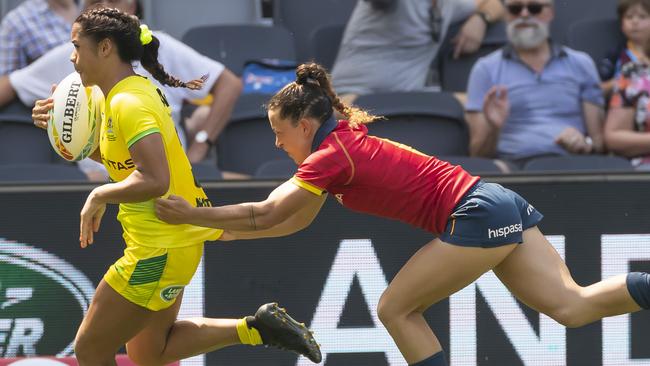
390	314
87	352
143	358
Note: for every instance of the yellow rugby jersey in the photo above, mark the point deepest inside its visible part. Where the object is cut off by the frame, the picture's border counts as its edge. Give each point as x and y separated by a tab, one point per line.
136	108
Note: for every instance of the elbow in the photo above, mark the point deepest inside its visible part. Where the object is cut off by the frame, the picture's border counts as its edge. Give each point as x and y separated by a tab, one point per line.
159	187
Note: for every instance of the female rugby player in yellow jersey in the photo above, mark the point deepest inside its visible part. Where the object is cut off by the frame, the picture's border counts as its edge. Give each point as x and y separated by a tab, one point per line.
139	297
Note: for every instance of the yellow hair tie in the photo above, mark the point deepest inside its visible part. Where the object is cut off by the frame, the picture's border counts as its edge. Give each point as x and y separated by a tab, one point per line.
145	35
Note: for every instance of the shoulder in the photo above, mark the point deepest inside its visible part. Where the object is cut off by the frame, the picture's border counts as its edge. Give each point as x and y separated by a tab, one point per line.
134	94
579	58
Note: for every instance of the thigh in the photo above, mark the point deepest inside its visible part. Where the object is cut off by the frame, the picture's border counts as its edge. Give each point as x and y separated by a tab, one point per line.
536	274
111	321
150	342
438	270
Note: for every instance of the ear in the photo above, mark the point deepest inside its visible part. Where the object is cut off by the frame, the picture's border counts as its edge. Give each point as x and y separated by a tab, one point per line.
306	126
104	47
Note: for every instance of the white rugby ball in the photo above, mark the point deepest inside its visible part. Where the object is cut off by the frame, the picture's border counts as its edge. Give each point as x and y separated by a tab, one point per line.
75	120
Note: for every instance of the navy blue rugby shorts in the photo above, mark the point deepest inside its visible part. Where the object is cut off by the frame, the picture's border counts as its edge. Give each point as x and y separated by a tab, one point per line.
488	216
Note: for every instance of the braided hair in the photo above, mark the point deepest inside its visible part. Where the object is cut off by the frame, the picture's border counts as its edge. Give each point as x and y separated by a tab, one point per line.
311	95
124	30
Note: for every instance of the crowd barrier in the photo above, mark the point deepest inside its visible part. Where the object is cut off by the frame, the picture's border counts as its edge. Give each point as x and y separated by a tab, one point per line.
331	276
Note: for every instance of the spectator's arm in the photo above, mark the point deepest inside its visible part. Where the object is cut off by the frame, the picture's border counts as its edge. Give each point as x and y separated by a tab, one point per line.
225	92
7	92
483	136
620	136
492	8
594	118
10	54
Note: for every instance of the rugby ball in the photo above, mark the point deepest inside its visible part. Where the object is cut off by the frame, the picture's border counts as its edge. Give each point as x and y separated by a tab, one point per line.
75	120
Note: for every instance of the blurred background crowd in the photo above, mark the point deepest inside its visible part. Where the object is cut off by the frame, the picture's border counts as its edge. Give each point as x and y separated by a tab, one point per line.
497	86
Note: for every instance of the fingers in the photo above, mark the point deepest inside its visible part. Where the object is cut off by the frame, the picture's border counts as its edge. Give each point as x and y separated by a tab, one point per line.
85	232
53	88
41	112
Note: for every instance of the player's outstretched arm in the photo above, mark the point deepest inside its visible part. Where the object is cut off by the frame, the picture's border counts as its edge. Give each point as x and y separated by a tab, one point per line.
284	206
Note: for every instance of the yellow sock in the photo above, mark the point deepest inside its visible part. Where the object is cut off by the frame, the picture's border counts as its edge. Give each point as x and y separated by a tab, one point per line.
248	335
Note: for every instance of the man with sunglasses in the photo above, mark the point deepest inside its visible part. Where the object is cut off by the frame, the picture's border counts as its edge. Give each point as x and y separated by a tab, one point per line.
533	97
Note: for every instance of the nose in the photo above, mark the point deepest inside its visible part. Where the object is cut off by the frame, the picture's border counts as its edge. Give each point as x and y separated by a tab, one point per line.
73	56
277	143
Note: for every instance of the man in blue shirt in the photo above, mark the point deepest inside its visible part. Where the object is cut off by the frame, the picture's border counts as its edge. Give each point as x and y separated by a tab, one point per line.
533	97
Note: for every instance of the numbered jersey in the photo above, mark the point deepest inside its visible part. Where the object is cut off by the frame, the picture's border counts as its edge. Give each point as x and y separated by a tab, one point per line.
134	109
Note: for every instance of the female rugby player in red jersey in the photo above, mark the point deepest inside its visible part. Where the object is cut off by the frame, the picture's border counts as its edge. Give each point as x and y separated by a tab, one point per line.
480	226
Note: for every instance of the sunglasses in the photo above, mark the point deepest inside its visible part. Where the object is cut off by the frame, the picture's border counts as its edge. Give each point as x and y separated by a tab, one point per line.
533	8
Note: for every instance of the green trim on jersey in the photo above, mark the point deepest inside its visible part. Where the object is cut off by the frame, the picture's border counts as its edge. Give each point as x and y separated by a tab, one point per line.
142	134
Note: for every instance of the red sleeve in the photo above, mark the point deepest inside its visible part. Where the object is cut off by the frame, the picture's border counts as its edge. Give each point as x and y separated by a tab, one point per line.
322	169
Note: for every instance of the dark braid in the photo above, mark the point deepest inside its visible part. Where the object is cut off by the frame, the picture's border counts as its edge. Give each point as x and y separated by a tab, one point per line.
124	30
313	96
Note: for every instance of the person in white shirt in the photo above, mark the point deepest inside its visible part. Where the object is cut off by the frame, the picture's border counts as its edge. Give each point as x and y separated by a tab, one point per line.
35	81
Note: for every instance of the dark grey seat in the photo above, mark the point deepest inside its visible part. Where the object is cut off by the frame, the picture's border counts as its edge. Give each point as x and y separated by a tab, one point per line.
22	142
35	173
599	38
582	163
302	17
454	73
427	121
276	169
206	171
234	45
325	43
247	141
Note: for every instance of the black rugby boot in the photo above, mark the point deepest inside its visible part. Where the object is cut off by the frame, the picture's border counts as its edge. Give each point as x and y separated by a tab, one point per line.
280	330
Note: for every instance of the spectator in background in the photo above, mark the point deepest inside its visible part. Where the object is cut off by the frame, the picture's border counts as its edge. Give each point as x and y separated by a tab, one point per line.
33	28
388	45
634	16
627	129
533	97
34	82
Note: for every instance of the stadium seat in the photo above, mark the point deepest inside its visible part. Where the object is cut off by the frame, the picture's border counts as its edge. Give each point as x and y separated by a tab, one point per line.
581	163
324	44
16	112
234	45
599	38
571	12
22	142
44	173
454	73
480	166
427	121
206	171
302	17
276	169
247	141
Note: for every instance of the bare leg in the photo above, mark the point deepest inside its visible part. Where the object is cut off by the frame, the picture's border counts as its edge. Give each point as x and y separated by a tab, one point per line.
110	322
435	272
152	337
536	274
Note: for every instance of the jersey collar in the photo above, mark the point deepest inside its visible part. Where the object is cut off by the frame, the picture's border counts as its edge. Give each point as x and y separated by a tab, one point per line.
325	128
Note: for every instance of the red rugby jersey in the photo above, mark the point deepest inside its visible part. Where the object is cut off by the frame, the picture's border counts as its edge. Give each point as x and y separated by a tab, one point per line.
381	177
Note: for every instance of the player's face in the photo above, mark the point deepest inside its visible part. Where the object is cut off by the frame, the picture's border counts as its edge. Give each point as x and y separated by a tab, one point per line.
84	56
295	140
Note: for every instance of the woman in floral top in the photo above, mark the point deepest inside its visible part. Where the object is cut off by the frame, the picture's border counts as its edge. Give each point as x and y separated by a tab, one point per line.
627	129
